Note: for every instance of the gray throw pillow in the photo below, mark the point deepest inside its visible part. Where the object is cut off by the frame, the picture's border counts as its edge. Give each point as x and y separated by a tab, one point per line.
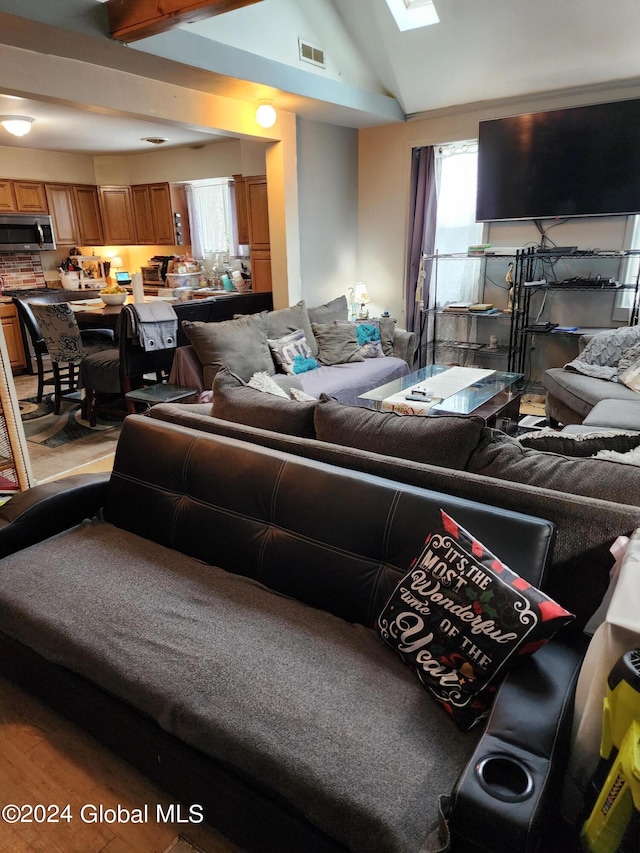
387	334
284	320
234	401
337	343
336	311
241	345
444	441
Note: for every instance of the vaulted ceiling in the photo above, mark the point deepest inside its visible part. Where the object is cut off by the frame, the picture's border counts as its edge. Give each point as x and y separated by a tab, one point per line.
482	50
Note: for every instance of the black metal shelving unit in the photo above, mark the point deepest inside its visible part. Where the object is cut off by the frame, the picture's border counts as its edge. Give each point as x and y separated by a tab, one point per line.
528	280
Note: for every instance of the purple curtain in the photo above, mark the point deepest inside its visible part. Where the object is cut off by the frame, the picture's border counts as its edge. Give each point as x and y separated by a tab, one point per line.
422	229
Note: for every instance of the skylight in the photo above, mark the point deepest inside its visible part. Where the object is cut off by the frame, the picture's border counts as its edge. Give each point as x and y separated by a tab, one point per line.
411	14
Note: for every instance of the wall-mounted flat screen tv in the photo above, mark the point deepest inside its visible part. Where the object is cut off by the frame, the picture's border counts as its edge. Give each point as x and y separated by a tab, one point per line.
583	161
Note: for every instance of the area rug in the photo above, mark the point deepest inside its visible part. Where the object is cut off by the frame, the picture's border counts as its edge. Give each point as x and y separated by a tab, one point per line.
42	426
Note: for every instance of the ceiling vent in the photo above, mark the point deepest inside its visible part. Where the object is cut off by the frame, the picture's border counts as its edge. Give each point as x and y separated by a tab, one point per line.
309	53
154	140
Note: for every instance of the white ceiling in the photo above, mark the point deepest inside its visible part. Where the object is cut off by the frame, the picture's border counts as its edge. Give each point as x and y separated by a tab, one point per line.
482	50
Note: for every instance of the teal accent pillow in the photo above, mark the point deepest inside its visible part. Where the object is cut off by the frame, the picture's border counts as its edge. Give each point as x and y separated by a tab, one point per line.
301	364
367	333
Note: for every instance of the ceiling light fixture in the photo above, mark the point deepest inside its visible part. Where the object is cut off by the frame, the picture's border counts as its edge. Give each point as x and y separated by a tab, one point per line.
17	125
154	140
266	114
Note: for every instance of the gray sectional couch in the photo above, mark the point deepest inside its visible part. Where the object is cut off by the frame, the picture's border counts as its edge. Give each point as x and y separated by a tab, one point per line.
593	377
590	501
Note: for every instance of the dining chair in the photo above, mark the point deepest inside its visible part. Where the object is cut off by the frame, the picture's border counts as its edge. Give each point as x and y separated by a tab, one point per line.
90	338
68	349
135	365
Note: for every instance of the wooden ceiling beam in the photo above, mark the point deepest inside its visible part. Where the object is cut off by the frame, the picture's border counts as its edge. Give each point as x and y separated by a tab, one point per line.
131	20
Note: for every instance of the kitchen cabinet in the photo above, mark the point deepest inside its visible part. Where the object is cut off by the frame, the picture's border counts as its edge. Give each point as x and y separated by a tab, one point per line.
13	336
7	196
87	210
242	218
75	213
22	196
30	197
252	219
117	216
62	210
160	214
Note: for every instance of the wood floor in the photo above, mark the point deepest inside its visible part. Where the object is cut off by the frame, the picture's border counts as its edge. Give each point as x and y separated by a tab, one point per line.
46	760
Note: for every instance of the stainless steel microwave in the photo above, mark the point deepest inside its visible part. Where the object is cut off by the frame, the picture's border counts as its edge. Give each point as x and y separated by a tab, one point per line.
26	232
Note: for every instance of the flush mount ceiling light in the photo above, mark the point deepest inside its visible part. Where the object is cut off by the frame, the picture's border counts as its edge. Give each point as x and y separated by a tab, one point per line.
17	125
266	114
154	140
412	14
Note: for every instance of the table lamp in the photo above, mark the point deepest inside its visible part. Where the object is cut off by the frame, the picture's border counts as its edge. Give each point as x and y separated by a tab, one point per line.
362	298
116	263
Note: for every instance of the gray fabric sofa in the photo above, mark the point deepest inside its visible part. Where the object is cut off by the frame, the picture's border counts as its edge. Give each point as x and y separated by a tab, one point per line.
208	612
591	502
242	346
572	394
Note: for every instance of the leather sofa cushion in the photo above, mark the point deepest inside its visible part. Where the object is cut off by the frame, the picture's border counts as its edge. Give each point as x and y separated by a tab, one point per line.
446	441
240	344
235	401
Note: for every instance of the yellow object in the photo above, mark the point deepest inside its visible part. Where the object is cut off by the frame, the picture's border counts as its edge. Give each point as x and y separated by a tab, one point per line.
604	830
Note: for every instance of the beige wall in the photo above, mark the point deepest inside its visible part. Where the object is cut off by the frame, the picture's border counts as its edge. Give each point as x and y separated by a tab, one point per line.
29	164
384	170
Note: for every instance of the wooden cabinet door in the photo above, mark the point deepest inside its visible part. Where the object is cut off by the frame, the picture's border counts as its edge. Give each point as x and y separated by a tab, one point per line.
30	197
141	202
117	216
242	217
7	197
87	210
61	208
261	271
180	213
258	213
13	336
162	214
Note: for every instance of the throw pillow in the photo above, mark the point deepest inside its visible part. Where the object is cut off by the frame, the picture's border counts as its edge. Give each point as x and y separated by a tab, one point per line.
629	357
461	618
234	401
337	344
579	444
368	334
264	382
284	320
387	334
292	352
241	345
631	376
336	311
447	441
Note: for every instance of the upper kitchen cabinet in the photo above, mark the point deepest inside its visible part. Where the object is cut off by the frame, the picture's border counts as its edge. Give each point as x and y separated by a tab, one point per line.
62	210
160	214
22	196
117	216
242	217
258	213
75	213
30	197
7	196
87	209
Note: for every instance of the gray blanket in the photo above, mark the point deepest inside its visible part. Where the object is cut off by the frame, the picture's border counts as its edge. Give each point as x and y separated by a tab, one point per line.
155	325
604	351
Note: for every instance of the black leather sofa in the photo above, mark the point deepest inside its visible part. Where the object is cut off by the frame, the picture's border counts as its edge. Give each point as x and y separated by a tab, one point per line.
207	612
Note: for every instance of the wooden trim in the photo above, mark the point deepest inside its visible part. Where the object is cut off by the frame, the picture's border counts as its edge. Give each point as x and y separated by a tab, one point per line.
130	20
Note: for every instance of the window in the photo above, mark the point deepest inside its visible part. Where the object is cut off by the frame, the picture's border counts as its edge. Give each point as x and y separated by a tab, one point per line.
456	226
211	221
412	14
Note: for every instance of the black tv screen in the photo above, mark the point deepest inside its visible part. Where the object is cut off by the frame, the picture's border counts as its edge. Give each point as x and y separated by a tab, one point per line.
583	161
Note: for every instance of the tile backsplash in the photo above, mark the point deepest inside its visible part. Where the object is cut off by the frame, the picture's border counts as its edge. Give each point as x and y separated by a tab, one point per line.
21	270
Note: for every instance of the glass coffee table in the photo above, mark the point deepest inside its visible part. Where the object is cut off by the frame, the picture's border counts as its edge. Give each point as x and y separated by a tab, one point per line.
494	396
